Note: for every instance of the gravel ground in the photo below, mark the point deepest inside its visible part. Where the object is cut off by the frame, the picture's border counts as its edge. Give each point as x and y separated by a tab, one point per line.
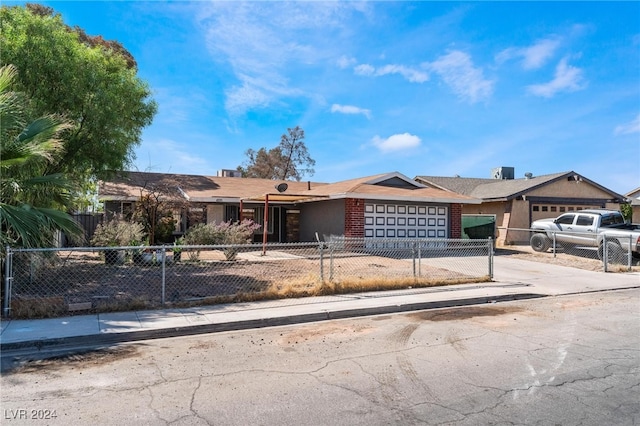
576	258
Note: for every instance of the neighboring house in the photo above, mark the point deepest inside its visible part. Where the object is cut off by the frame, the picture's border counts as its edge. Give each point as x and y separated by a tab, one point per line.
516	203
388	205
634	197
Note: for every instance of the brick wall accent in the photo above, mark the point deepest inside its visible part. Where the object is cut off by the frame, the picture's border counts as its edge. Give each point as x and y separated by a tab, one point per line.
455	221
354	218
293	226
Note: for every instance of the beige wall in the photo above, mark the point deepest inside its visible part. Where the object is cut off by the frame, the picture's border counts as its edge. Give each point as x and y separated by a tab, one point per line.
509	214
565	188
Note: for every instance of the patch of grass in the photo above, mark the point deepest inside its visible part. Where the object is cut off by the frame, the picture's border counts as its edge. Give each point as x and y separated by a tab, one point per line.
41	307
310	287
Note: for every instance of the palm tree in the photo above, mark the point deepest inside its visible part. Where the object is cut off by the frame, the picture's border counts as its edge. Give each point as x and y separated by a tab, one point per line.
32	205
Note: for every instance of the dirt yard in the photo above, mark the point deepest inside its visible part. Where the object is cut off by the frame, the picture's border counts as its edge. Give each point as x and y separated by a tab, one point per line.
581	259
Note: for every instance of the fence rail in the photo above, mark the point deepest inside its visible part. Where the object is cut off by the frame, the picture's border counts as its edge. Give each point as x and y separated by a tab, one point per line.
55	282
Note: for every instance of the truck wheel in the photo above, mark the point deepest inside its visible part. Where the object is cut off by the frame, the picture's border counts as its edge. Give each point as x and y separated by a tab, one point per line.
615	254
540	242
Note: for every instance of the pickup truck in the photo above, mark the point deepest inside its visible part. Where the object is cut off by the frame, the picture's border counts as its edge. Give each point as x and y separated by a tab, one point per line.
588	228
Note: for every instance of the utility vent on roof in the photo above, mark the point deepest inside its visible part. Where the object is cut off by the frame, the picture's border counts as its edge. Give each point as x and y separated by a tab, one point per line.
503	173
229	173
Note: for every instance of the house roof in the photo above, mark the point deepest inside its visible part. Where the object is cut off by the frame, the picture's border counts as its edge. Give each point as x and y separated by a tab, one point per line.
390	186
127	186
633	193
502	189
386	186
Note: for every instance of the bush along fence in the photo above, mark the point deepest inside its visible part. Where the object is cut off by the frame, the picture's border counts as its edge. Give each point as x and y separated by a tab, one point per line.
57	282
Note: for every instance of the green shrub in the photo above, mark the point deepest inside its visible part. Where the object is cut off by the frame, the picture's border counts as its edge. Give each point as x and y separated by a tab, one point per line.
117	233
225	233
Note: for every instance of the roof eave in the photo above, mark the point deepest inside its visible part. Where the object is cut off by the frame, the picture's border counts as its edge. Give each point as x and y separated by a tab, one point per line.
441	200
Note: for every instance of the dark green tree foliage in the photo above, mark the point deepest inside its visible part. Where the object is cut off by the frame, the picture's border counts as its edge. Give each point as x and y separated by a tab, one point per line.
290	160
89	80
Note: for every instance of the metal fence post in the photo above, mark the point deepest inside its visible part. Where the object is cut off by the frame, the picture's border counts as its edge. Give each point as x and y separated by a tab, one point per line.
490	253
321	247
164	273
554	244
630	254
413	256
605	253
420	259
8	278
331	262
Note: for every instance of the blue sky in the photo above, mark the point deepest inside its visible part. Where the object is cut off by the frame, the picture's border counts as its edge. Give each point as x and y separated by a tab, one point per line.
422	88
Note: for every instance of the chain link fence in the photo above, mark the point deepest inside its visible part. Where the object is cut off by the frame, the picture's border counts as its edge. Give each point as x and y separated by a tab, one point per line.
57	282
617	252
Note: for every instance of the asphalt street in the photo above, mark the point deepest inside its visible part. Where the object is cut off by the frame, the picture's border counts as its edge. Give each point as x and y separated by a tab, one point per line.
565	359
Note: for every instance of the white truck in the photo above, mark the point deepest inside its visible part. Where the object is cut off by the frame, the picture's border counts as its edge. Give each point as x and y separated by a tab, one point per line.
588	228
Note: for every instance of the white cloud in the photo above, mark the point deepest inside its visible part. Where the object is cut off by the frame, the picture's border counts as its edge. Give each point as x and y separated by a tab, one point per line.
262	41
173	156
364	69
398	142
346	62
457	70
350	109
566	79
534	56
410	74
629	128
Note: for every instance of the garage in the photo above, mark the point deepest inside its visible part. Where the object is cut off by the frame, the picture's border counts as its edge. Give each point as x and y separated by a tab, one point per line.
385	220
543	211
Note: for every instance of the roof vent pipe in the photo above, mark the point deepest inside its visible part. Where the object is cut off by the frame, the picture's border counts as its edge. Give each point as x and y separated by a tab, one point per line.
528	175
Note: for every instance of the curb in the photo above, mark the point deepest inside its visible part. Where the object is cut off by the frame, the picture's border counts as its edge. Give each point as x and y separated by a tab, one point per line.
69	343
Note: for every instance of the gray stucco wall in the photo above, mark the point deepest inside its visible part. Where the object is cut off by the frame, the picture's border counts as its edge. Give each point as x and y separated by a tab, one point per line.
324	217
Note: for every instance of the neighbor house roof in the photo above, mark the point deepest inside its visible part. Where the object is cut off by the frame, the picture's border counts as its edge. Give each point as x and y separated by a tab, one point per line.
127	186
634	196
502	189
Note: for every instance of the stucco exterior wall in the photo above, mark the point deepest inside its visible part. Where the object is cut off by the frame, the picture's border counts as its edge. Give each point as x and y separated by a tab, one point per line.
566	188
325	218
496	209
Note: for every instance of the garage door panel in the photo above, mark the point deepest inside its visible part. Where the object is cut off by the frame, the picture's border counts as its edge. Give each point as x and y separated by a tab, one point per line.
405	221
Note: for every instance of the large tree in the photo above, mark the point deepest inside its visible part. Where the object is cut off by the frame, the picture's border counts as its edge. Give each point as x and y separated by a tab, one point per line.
32	203
289	160
91	81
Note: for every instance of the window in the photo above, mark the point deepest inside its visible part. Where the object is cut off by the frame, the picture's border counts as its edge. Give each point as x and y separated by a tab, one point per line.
566	219
554	208
563	209
258	217
536	208
545	208
584	220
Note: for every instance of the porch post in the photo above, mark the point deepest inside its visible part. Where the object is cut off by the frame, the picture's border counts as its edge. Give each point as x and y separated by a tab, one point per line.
266	223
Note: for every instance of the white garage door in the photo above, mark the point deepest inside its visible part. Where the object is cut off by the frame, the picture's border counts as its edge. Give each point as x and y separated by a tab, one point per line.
405	221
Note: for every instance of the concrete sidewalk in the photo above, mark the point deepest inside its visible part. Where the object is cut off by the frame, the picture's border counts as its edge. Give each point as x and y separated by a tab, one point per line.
513	279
